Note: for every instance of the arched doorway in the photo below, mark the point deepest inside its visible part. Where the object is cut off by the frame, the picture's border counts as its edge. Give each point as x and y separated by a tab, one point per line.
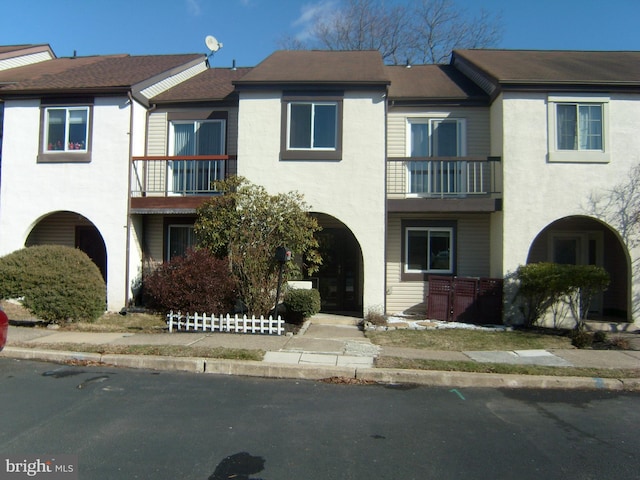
339	279
73	230
582	240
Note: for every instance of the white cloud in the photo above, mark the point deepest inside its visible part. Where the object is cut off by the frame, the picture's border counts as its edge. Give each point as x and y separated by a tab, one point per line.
193	7
309	13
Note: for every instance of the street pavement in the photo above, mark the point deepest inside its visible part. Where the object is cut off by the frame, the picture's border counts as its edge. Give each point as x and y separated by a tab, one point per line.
328	347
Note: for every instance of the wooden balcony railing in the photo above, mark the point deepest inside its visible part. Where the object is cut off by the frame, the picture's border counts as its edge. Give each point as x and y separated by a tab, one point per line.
159	176
443	177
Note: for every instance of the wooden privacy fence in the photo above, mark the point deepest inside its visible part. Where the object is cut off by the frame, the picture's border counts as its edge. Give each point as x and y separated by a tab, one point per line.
226	324
460	299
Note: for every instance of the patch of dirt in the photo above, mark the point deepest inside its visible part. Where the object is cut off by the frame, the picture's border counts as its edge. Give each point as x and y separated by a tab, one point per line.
348	381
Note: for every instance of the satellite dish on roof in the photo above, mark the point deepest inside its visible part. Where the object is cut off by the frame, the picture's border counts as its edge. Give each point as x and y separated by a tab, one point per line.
212	43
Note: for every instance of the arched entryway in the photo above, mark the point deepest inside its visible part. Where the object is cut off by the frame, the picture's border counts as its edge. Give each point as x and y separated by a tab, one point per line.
73	230
339	279
582	240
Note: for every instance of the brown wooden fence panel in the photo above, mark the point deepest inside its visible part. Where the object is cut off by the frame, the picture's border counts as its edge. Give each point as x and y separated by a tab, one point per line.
439	301
461	299
490	300
464	299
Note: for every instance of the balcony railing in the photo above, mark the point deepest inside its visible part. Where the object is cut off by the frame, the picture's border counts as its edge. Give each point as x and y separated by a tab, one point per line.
159	176
443	177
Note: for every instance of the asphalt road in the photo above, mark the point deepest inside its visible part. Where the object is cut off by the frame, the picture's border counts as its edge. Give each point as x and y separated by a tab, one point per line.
136	424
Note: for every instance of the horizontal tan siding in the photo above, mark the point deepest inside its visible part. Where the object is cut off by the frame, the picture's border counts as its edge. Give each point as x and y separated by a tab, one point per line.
472	259
477	136
153	239
57	229
157	143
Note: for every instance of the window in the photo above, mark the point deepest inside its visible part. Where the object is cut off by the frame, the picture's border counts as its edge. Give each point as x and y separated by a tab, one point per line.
439	138
179	239
579	126
428	248
192	138
312	127
66	133
578	129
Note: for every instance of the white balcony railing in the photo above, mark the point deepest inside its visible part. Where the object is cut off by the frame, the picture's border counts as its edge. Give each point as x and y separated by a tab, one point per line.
443	177
179	175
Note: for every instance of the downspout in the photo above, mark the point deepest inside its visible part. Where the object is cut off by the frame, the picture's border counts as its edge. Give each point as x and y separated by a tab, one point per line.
127	255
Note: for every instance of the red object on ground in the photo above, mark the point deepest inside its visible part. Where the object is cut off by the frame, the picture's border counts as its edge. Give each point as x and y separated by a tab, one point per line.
4	327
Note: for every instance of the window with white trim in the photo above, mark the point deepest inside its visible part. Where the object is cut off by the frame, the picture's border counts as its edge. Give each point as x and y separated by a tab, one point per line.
428	249
439	138
578	128
66	129
194	138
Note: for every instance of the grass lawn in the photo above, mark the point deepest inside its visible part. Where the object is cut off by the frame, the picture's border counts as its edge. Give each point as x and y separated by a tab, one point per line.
460	340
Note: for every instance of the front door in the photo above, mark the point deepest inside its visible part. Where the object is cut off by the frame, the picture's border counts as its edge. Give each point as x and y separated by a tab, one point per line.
339	274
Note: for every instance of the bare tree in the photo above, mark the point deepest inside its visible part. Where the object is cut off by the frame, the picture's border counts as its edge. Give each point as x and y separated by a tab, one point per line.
426	32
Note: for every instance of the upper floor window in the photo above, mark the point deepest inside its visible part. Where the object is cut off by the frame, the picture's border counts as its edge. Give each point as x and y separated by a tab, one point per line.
65	133
578	128
440	138
312	127
66	129
437	137
196	138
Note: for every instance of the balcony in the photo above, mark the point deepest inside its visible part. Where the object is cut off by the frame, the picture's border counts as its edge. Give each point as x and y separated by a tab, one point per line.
177	182
461	184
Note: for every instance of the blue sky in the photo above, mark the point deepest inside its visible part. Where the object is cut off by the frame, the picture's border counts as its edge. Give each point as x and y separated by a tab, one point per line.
250	29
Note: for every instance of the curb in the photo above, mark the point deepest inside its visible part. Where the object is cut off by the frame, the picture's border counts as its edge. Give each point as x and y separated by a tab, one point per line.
386	376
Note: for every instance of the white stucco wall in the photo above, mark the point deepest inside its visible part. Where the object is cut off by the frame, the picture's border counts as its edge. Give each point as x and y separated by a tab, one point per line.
97	190
538	192
351	190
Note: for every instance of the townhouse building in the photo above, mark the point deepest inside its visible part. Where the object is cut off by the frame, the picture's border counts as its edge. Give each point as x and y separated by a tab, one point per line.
461	170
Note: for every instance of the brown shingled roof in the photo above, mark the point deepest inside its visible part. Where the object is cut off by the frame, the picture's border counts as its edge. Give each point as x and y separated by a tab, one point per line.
318	66
431	82
213	84
87	73
555	67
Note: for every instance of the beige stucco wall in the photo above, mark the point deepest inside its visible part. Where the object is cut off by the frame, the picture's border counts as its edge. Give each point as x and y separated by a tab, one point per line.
97	190
538	192
351	190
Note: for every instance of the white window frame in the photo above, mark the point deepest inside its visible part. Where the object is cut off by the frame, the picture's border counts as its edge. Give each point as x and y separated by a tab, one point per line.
429	230
66	149
312	147
577	156
172	147
461	131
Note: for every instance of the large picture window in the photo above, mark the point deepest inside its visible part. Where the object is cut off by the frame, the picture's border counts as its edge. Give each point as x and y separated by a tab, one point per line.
194	138
428	248
437	138
311	127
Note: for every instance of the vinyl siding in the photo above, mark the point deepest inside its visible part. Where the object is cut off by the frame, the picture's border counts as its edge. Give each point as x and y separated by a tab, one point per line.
473	240
477	136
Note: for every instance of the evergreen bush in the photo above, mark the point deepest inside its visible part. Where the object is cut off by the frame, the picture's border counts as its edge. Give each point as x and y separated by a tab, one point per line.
301	303
197	282
56	283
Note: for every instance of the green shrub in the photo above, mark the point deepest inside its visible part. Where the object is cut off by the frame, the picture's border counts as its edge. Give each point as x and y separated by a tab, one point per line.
301	303
541	285
197	282
581	339
57	283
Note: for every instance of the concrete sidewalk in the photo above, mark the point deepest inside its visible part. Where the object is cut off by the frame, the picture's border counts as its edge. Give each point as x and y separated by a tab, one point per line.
327	346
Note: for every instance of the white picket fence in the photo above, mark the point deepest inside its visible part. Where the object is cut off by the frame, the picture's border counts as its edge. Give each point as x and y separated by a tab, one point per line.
210	323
